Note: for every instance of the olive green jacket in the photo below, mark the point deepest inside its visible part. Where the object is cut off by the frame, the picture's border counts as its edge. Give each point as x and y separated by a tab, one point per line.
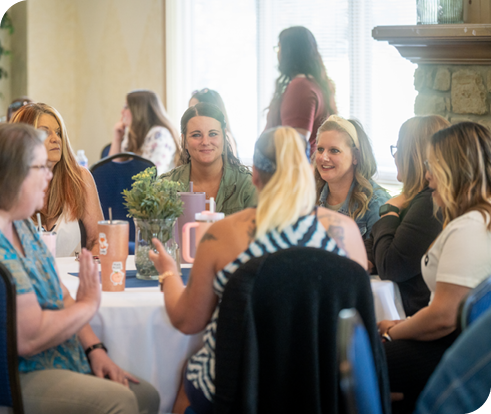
236	191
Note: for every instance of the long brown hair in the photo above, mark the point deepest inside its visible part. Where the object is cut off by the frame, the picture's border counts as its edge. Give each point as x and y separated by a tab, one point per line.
148	111
66	191
460	161
414	138
365	168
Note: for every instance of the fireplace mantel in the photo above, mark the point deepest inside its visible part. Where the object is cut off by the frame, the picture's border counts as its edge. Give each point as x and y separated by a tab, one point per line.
454	44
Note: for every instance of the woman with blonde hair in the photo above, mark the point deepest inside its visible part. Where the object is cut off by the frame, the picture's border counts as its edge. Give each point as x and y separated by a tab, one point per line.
459	176
285	211
408	226
345	166
146	130
71	206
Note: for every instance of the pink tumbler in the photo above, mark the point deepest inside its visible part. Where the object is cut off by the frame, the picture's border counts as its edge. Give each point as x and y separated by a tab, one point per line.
203	222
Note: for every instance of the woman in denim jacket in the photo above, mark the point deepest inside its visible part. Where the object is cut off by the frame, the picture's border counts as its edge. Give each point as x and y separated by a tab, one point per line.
345	166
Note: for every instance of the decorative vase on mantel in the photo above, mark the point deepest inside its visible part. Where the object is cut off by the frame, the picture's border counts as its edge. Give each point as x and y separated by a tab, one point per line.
145	230
155	205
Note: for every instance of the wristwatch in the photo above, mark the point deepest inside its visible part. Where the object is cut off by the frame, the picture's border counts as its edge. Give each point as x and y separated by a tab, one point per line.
387	208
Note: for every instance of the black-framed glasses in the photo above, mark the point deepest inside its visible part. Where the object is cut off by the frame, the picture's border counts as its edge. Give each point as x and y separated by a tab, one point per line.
40	167
427	166
393	150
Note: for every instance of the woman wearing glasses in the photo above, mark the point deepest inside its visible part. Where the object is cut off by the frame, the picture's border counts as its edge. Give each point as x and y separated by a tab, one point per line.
345	166
62	364
304	95
407	226
145	129
71	205
459	177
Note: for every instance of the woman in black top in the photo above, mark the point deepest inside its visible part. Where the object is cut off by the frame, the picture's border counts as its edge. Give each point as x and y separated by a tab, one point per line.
407	226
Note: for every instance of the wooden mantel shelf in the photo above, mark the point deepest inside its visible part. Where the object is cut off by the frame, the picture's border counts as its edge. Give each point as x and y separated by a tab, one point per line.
456	44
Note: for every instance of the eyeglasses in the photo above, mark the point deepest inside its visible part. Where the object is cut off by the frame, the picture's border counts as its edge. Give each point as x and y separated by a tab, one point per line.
40	167
393	150
427	166
276	48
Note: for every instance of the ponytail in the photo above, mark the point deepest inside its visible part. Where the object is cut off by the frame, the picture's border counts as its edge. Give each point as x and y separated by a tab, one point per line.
289	191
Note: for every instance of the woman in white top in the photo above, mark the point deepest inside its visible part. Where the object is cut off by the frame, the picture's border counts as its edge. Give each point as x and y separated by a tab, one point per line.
459	173
145	129
71	205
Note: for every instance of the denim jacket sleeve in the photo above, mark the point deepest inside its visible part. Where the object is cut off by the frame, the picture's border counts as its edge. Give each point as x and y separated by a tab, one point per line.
365	223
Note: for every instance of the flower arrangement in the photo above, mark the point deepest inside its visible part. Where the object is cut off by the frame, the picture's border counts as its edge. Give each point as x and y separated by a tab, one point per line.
155	205
151	197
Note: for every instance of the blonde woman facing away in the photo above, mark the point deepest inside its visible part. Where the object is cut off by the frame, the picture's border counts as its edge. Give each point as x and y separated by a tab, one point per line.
459	176
286	210
71	205
146	130
345	166
408	226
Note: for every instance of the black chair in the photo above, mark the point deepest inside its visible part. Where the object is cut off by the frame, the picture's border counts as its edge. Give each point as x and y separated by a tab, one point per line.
112	178
358	382
476	302
276	345
10	392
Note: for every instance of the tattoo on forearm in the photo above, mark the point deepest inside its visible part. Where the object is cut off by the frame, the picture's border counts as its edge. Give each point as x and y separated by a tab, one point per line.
251	231
337	233
207	236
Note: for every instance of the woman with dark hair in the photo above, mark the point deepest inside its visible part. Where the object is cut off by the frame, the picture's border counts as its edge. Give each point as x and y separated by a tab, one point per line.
458	170
208	161
345	165
146	130
213	97
304	95
285	217
16	105
63	366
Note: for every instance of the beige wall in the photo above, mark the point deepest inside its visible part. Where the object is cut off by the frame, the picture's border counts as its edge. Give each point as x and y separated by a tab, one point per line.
85	55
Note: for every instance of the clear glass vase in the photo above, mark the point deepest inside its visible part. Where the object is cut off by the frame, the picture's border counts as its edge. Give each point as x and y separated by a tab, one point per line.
145	230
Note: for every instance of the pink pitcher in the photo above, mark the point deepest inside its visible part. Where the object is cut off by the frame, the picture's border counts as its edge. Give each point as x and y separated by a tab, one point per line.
203	222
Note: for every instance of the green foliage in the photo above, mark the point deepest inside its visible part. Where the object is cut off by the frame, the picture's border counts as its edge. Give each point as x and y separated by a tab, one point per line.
151	197
6	23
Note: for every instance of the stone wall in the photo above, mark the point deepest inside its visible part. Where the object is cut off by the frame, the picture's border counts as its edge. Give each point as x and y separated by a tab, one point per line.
457	92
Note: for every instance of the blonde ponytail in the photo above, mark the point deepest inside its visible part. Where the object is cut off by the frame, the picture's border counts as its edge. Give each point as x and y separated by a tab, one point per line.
289	192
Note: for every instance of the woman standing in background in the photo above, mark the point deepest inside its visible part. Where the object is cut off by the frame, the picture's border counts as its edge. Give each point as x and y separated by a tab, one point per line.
304	95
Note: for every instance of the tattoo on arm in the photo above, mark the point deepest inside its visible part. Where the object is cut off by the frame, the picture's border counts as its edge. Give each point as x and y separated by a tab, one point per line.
207	236
251	231
337	233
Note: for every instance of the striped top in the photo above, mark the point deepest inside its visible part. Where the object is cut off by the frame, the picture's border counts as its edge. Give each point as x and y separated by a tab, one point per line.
306	232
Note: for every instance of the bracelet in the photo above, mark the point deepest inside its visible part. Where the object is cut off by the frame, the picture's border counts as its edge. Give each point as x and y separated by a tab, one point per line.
387	337
100	345
164	276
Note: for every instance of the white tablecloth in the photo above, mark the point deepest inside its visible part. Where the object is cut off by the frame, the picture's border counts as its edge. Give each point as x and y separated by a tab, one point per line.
135	328
138	334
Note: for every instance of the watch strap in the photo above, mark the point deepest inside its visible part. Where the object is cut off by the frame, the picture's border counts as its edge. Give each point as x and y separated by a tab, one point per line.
100	345
387	208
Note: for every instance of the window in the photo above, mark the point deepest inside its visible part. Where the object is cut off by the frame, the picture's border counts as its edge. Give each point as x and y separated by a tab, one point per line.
228	46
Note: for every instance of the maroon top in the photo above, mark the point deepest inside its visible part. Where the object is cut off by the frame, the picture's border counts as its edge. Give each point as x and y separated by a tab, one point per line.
302	106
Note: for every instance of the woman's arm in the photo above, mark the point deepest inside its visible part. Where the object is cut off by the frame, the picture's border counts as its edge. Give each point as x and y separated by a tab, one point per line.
346	234
190	307
118	135
40	329
399	245
93	212
432	322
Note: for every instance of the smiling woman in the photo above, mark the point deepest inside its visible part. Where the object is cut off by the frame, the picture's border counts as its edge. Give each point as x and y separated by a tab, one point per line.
71	204
208	161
